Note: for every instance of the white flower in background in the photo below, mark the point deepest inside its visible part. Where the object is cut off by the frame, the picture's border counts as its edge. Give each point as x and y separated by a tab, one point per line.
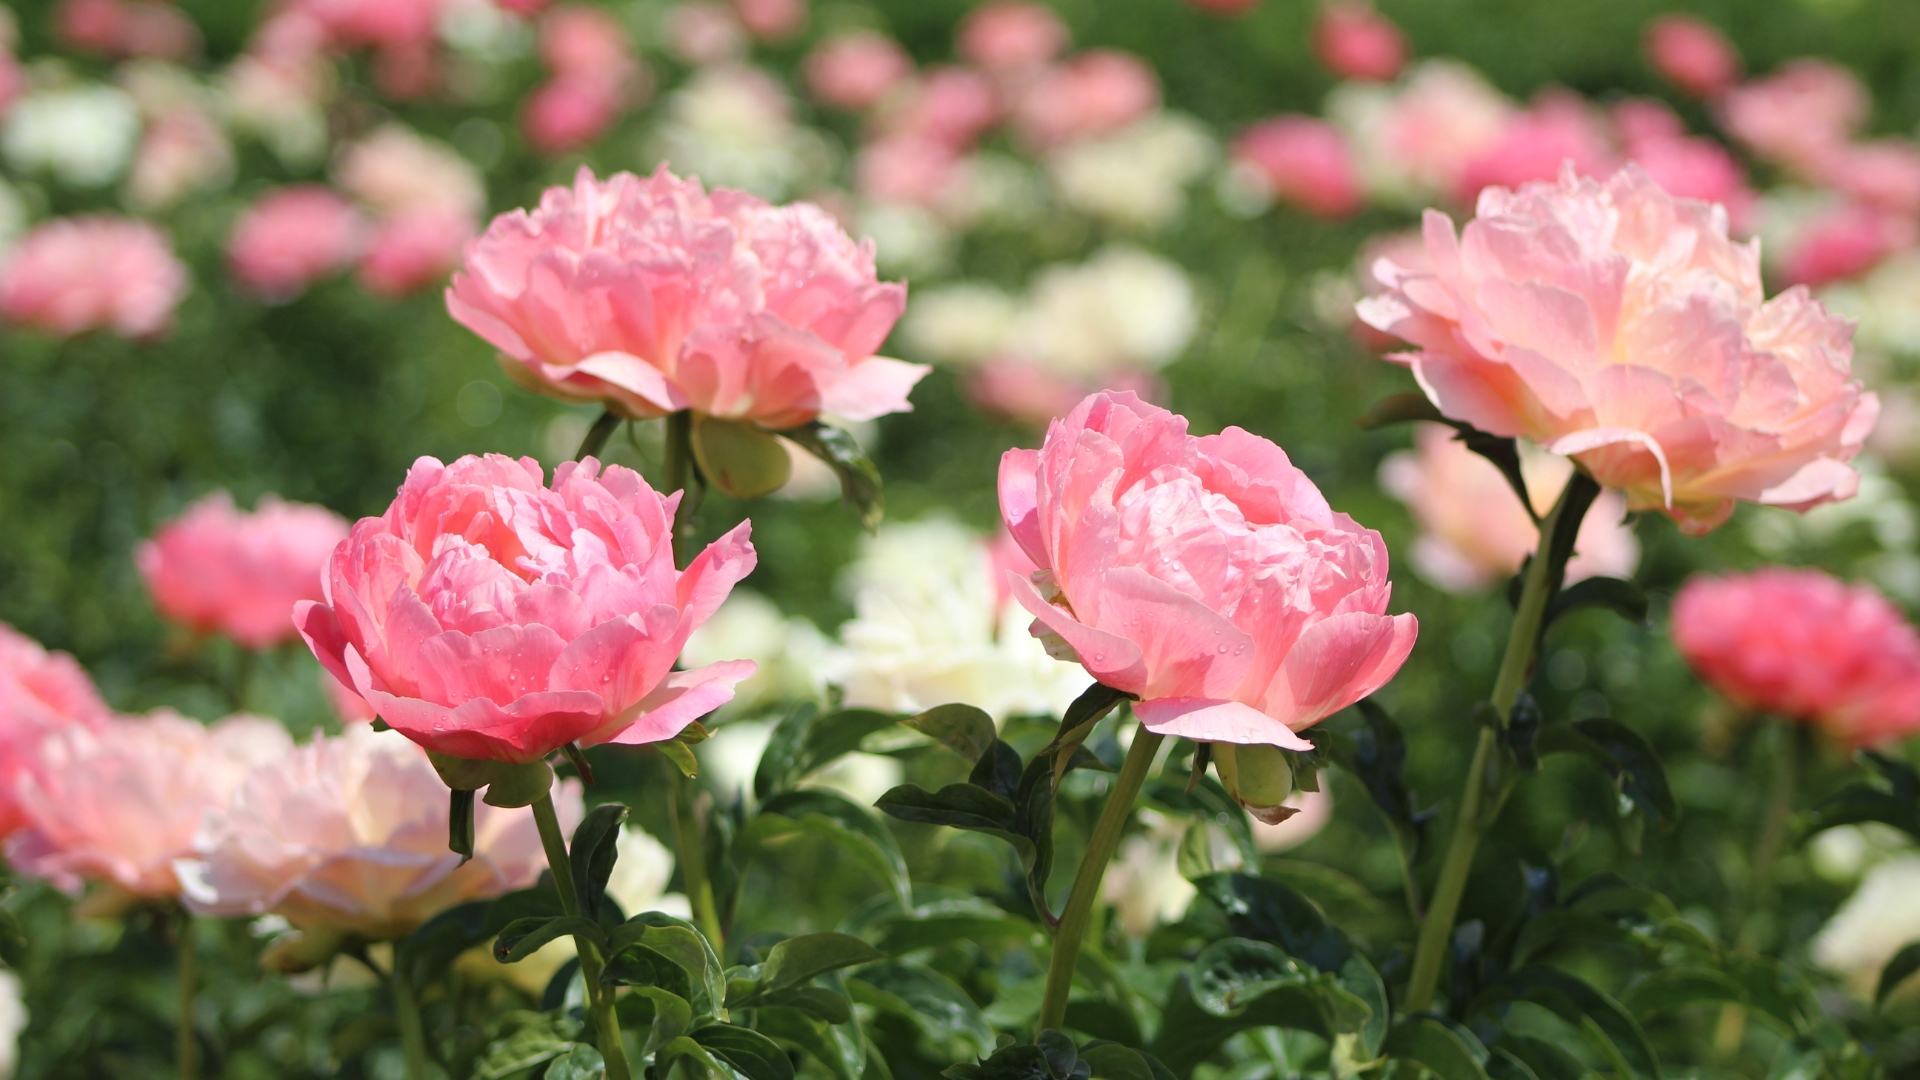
1144	884
993	189
83	135
907	239
1315	810
182	149
790	651
1843	853
732	126
731	756
281	106
1136	176
932	626
966	322
13	1020
1876	922
1123	308
484	32
395	170
640	876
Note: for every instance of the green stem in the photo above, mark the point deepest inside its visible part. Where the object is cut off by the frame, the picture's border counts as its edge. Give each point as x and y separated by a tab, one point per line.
186	1046
413	1039
1541	583
597	435
1093	867
690	837
679	477
599	999
1790	743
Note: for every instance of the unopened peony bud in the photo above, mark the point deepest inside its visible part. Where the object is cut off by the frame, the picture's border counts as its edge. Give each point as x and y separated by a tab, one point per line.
1258	777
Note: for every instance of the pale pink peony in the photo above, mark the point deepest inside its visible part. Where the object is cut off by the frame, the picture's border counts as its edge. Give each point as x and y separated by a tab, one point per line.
215	569
1098	91
414	250
857	68
1798	116
771	20
1883	174
585	39
1023	389
292	238
652	295
1841	243
395	171
377	23
906	169
1533	145
1806	645
72	275
1356	42
1303	161
181	150
951	106
569	112
488	616
1692	54
1011	35
1613	323
1439	120
349	834
40	692
13	81
1474	532
119	804
1206	576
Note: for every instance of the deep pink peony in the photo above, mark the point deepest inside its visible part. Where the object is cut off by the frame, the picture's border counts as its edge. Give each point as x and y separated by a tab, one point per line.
1098	91
349	834
215	569
1881	173
488	616
568	112
72	275
293	237
118	804
1207	576
119	28
653	296
1806	645
1011	35
40	692
1613	323
1692	54
1356	42
1303	161
855	69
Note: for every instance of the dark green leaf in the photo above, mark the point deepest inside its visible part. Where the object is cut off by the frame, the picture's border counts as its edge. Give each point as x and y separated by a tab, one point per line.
1503	1064
966	919
1522	731
460	823
998	770
942	1010
582	1062
859	478
1894	801
962	806
1624	755
525	1039
1548	1062
1112	1061
1228	975
1269	911
1674	988
798	959
1087	709
1898	970
1615	1033
672	1015
524	937
1401	409
1435	1047
1619	595
595	848
842	1050
817	1001
1190	1034
679	942
849	826
424	955
963	729
752	1055
1376	755
806	741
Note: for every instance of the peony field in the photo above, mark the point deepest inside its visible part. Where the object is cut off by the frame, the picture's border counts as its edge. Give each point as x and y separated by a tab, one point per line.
959	540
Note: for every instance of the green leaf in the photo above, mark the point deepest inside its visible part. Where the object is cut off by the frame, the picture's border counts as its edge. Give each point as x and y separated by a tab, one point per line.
805	742
1230	974
1624	755
941	1010
678	942
583	1062
1189	1034
681	755
1194	857
425	955
595	847
751	1054
1546	1060
524	937
526	1039
1358	978
962	919
1619	595
798	959
1270	911
961	806
1435	1047
742	459
1376	755
1081	716
1894	801
1503	1064
846	824
816	1001
1674	988
672	1016
843	1051
1609	1026
859	478
963	729
460	823
1112	1061
1902	967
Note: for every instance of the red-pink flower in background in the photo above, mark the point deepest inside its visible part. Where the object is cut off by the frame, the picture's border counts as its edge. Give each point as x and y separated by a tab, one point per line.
216	569
1840	243
489	616
349	833
1882	173
1303	161
1011	36
1559	129
412	251
1799	116
1806	645
652	295
1692	54
1206	576
771	20
118	804
1654	137
856	68
593	78
293	237
428	199
947	105
1098	91
40	693
1473	531
1356	42
120	28
72	275
1610	322
374	23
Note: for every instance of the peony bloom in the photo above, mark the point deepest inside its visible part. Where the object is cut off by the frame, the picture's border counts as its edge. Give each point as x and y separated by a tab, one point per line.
1535	144
1692	54
1610	322
654	296
1799	116
1690	168
1011	36
489	616
72	275
1098	91
215	569
1205	576
1473	530
1303	161
1356	42
702	32
855	69
119	28
182	150
1883	173
349	834
119	804
1415	139
1843	658
1841	242
293	237
396	171
388	24
950	106
569	112
40	693
1137	176
414	250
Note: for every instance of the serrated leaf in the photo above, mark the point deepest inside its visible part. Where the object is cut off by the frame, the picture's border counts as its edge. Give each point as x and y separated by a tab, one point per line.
963	729
859	478
595	848
1434	1046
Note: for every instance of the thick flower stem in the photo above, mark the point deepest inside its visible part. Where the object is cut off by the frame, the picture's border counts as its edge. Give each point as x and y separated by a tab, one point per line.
1093	866
1544	574
186	1045
413	1038
690	838
597	435
599	999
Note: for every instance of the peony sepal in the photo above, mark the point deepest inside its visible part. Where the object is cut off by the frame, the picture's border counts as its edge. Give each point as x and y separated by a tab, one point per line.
1259	777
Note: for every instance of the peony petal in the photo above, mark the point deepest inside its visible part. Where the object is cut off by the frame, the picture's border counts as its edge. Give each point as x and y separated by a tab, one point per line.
872	388
1337	662
1018	480
1107	657
1593	438
1207	720
680	699
635	376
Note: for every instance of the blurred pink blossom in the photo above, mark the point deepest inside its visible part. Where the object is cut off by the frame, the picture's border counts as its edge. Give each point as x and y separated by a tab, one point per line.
293	237
413	250
1011	35
1691	168
1023	389
1303	161
1883	173
71	275
771	20
12	80
1799	116
1097	91
856	69
1841	243
217	569
1532	145
40	692
906	169
121	28
182	149
704	32
1692	54
373	23
1441	119
567	113
594	78
949	105
1356	42
394	171
585	39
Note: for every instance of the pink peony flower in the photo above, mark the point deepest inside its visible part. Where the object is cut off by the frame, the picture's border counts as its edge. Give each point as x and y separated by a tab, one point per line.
906	169
771	20
584	39
120	28
1474	532
182	149
1806	645
568	113
215	569
1692	54
1613	323
72	275
40	693
489	616
1532	145
1884	174
1206	576
1688	168
395	171
292	238
1098	91
374	23
1303	161
349	834
411	251
1798	116
1024	389
1356	42
1011	35
653	295
1842	243
1442	119
13	81
857	68
948	105
119	804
